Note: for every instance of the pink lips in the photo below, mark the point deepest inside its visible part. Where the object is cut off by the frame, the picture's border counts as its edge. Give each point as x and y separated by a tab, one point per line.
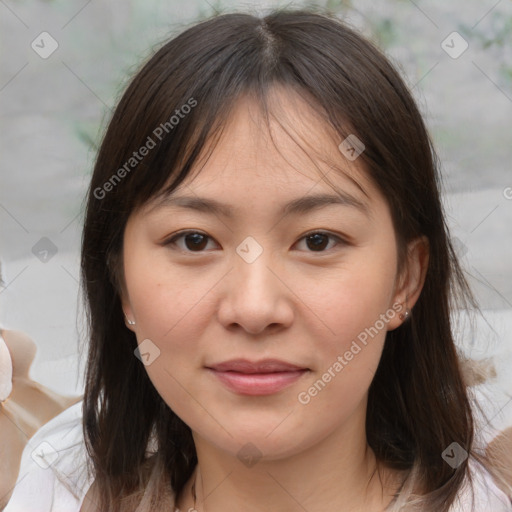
259	378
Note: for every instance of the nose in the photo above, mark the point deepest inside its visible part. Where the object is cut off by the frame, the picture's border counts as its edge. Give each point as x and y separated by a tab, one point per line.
255	297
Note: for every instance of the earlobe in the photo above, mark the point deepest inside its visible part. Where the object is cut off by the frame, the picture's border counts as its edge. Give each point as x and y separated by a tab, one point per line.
128	314
411	281
405	314
128	321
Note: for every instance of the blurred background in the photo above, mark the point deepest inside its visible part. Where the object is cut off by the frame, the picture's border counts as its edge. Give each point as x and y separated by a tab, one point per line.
64	65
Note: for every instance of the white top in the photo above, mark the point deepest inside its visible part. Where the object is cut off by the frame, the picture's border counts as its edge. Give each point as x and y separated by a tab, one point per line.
58	448
5	371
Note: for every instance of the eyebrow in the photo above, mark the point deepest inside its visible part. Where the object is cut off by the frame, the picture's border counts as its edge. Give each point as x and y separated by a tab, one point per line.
299	206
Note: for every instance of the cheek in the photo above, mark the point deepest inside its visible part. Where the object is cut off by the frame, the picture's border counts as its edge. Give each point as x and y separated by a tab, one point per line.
357	311
172	309
356	298
165	297
169	313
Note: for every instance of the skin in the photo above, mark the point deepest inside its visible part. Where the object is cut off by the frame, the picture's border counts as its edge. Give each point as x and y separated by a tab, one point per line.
292	303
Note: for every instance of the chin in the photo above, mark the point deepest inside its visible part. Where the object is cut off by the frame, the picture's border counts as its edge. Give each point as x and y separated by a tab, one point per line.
256	444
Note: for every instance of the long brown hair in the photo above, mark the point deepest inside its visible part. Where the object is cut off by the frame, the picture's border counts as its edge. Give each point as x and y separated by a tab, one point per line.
418	403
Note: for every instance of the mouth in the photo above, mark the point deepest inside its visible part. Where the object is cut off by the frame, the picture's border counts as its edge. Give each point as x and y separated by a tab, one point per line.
257	378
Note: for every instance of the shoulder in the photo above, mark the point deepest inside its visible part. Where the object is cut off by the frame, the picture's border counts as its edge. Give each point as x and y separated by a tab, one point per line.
5	370
483	495
22	349
53	472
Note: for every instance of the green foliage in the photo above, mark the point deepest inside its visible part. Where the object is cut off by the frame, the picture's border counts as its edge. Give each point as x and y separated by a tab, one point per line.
497	38
209	8
385	32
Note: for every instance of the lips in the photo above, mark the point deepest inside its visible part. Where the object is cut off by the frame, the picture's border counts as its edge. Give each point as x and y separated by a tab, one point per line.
265	377
264	366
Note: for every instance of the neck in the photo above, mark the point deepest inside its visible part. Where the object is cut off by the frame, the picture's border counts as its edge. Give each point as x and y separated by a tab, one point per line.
334	475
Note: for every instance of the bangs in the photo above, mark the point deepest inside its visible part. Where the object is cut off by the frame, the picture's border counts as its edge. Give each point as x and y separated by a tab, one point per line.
269	112
155	110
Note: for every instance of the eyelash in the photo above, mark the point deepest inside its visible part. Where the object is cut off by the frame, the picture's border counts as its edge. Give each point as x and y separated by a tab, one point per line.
181	234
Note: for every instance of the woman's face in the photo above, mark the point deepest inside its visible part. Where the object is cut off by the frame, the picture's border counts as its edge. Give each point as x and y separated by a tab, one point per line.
249	284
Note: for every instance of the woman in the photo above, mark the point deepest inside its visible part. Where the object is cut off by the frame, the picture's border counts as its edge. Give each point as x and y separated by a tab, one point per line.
269	281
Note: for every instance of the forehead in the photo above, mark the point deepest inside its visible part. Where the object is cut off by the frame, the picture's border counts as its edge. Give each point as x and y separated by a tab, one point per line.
291	153
290	142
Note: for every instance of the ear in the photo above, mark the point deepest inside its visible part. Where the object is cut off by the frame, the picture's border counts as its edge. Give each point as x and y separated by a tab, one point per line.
410	281
129	320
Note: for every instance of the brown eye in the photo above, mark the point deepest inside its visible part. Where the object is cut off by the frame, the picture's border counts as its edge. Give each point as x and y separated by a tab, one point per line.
195	241
319	240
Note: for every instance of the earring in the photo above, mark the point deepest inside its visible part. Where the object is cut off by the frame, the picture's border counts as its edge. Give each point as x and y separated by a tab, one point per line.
130	322
404	316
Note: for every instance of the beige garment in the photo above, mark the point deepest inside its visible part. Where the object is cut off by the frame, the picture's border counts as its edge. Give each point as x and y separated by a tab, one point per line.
5	371
499	450
28	406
